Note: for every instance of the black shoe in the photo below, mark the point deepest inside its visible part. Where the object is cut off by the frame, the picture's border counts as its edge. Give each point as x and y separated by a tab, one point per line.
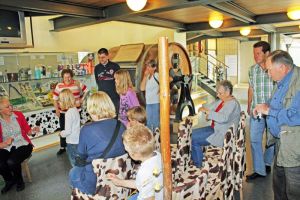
268	169
61	151
253	176
20	186
7	187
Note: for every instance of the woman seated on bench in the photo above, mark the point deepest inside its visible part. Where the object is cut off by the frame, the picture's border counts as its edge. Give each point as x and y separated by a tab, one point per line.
93	141
15	145
223	113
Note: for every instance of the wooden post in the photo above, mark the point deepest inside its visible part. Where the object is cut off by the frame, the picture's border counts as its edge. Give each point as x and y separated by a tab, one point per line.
164	82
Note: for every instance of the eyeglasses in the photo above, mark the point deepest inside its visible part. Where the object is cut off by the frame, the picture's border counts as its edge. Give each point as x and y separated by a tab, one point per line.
8	106
220	93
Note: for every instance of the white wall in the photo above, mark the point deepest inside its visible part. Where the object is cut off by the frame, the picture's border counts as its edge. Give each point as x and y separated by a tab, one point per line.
90	38
180	38
246	60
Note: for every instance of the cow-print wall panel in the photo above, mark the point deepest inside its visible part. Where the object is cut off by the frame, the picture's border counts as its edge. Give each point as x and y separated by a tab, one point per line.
49	122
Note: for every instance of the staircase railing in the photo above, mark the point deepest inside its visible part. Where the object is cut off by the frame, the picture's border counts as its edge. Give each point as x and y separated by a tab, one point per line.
219	70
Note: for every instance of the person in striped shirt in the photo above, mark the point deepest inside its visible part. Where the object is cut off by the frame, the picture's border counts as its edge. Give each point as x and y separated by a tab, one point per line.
79	91
260	90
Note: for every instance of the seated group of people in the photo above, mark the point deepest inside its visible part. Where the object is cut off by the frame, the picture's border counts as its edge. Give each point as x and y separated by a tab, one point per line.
95	137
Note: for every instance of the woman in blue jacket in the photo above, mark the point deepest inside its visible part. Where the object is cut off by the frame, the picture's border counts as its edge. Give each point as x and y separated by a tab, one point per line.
93	140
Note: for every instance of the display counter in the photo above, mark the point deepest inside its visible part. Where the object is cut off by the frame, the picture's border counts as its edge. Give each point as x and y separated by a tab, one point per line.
34	99
28	79
47	120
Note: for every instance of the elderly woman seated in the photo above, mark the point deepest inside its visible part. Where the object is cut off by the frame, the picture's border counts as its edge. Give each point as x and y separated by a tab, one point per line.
223	113
15	145
94	139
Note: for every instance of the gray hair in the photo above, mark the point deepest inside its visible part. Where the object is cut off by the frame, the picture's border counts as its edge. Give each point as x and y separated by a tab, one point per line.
281	57
227	85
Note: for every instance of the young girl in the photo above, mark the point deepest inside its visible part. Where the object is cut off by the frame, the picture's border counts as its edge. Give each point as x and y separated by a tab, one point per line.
136	115
72	123
128	98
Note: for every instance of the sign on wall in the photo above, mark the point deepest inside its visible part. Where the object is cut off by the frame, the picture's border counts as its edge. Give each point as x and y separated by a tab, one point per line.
231	61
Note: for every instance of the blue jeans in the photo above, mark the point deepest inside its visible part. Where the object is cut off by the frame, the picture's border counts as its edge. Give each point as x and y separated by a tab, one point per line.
134	197
72	151
260	160
199	137
153	115
84	179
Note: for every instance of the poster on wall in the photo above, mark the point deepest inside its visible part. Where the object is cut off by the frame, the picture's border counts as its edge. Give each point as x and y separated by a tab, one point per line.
1	60
231	61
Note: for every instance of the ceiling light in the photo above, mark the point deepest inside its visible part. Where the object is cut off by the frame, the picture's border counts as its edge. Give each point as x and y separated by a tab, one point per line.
245	31
294	13
136	5
216	23
215	19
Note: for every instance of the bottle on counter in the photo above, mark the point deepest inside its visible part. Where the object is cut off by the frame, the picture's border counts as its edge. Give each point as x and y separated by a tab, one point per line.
37	72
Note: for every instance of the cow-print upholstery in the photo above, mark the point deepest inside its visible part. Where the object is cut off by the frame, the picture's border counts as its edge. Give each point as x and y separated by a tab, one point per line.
156	135
240	153
122	166
220	178
189	182
183	152
48	121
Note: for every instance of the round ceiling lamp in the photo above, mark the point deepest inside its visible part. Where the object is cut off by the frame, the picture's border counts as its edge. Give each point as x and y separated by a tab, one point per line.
294	13
216	23
136	5
245	31
215	19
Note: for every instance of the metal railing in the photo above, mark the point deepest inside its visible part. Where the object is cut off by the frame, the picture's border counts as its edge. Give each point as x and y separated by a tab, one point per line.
218	71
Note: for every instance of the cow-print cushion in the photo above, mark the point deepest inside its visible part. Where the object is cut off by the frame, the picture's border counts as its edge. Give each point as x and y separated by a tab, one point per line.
240	153
188	181
122	166
220	177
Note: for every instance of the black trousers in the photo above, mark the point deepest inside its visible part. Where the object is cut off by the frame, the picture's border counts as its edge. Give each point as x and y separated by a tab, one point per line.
63	143
10	162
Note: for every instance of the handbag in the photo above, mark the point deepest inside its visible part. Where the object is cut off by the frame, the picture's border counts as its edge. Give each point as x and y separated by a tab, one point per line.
81	162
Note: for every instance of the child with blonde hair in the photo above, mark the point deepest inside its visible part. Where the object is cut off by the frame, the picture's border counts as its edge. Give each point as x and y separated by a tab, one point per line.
136	115
139	143
72	123
128	98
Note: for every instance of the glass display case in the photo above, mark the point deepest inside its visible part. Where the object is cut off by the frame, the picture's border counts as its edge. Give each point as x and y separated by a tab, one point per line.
28	79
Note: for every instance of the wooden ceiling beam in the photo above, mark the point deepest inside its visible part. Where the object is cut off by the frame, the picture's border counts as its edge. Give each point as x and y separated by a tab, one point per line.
231	23
229	34
50	7
121	11
154	21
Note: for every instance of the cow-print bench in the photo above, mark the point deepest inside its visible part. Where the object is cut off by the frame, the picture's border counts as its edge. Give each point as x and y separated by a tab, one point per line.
122	166
239	155
227	164
189	182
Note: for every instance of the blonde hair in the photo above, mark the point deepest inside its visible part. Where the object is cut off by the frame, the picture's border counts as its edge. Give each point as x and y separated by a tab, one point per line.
100	105
137	113
2	98
139	139
66	99
124	82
